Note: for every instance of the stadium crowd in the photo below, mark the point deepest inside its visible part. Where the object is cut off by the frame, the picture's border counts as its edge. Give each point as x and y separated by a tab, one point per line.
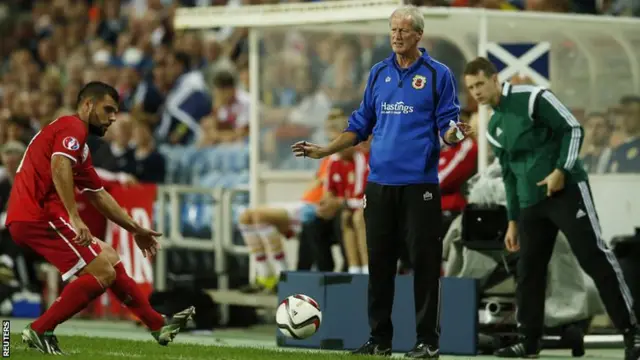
185	105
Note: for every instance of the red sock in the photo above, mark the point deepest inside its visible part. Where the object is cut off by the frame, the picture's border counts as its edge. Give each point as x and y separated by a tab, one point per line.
75	296
127	291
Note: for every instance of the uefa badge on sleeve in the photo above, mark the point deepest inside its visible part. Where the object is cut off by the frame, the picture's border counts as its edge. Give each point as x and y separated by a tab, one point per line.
71	143
418	82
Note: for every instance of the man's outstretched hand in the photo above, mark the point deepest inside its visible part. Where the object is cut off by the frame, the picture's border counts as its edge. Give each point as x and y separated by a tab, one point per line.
147	242
307	149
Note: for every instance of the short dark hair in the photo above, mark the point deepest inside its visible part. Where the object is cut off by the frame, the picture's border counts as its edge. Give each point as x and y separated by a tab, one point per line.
97	89
224	79
184	59
480	64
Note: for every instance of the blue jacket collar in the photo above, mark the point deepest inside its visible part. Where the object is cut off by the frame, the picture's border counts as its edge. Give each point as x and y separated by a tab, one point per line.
391	60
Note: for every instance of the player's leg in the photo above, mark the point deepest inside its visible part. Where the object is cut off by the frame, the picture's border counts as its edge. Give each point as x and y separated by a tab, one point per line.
380	209
129	293
252	239
54	241
536	237
350	242
575	214
421	223
361	238
272	224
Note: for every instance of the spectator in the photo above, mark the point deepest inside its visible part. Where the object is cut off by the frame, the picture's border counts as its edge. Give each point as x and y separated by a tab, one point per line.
119	136
597	153
149	164
187	102
150	94
10	254
230	109
626	157
18	129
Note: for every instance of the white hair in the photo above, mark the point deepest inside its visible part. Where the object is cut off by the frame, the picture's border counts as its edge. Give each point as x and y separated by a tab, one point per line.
412	11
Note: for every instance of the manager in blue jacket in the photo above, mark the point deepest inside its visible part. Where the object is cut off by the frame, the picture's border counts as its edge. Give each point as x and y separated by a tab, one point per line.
409	103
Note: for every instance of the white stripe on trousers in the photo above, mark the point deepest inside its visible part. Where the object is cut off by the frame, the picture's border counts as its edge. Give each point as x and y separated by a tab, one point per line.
595	225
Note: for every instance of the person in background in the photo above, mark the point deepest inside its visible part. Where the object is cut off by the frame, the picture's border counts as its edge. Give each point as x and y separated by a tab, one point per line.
230	109
120	139
187	102
19	129
457	164
345	182
323	231
15	262
150	94
264	227
149	164
626	157
597	153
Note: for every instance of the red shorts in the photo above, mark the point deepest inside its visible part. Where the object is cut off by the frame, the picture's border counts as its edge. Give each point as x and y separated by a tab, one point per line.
54	241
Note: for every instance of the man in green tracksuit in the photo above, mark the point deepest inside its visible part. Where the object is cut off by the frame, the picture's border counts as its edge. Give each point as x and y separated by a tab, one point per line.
537	141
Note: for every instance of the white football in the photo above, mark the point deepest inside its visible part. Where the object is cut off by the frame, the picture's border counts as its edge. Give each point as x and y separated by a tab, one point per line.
298	316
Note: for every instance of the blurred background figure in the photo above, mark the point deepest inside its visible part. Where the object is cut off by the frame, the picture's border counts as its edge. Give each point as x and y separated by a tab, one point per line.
596	153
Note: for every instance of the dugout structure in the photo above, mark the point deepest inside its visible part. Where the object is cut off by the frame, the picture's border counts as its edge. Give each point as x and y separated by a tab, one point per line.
299	65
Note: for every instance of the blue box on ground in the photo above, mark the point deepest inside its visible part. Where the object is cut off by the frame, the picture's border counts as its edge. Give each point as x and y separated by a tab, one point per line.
345	324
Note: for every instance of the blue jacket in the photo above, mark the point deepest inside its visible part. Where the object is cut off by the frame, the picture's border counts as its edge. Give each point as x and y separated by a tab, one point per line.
407	111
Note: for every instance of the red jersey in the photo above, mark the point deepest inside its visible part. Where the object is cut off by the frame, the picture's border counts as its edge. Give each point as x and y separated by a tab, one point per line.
347	178
457	164
33	196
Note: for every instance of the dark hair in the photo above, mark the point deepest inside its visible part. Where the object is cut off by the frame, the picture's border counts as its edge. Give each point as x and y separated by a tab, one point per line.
97	89
478	65
21	121
224	79
184	59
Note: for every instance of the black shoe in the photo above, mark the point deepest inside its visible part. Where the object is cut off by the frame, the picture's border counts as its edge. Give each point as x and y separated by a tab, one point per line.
519	350
423	351
371	347
53	343
45	343
574	338
632	344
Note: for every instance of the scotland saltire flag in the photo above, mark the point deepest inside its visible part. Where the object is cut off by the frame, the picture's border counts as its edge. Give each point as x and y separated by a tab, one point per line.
524	59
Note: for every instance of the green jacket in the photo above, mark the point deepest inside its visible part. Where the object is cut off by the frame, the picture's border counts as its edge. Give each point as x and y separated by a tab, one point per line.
532	133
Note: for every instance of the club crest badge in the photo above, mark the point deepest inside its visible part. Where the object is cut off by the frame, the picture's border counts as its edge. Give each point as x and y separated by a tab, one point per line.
419	82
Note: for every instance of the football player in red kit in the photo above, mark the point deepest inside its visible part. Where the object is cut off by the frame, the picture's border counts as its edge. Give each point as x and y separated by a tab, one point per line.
42	214
346	178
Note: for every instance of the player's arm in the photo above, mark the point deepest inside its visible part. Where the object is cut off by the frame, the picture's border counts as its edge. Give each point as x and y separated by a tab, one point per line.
553	113
62	174
109	207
